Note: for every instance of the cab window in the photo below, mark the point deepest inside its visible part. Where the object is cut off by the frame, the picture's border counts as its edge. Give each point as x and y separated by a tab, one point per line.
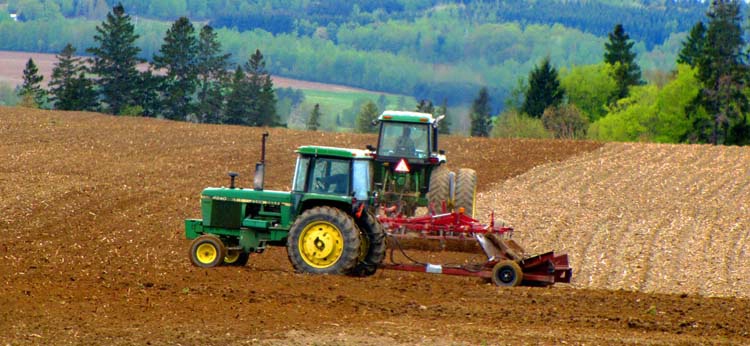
330	176
407	140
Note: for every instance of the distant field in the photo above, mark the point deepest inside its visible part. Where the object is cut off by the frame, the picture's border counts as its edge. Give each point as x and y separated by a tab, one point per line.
332	98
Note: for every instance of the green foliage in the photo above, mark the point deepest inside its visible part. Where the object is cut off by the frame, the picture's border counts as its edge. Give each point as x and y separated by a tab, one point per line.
692	49
653	114
544	90
177	57
211	68
31	91
8	95
131	111
114	60
366	116
619	53
565	121
69	88
512	124
238	106
481	123
589	87
723	74
313	121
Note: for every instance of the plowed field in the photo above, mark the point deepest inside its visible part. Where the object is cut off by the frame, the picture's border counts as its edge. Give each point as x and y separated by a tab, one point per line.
93	249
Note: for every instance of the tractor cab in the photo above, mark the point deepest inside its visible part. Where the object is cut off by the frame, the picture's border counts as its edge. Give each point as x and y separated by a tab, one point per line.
333	173
411	136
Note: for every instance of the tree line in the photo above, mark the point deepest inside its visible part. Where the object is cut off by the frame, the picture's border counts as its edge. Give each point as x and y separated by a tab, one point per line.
705	100
188	79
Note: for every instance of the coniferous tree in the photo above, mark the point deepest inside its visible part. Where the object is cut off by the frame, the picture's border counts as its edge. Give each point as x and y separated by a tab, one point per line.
114	60
31	92
444	126
618	53
692	49
313	122
178	57
239	101
262	105
723	75
544	90
425	106
212	75
481	123
367	114
69	87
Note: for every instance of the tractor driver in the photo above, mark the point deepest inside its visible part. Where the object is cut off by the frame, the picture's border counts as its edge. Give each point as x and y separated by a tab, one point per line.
404	144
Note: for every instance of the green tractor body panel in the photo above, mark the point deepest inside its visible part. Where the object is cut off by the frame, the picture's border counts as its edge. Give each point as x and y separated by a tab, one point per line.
407	153
249	219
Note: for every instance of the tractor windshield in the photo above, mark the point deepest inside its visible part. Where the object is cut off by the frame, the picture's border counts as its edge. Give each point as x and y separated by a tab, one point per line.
406	140
362	179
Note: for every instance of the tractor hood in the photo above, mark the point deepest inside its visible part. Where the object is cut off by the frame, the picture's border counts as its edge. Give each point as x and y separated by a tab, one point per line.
247	196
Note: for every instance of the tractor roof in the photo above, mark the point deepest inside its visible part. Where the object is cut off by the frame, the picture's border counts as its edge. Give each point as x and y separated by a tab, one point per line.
333	151
407	117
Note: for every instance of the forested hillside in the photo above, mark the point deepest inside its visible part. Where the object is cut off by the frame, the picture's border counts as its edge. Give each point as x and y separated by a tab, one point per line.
429	48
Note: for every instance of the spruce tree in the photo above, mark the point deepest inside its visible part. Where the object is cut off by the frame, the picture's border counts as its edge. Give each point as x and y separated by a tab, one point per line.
544	90
481	123
261	93
425	106
618	53
239	101
69	87
178	57
723	74
31	92
212	75
313	122
444	126
367	114
692	49
114	60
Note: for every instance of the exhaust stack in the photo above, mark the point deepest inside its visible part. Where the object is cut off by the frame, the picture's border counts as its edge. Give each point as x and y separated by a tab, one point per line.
260	167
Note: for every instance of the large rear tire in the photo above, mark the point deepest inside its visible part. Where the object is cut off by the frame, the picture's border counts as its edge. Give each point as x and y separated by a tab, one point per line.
323	240
466	190
372	246
439	187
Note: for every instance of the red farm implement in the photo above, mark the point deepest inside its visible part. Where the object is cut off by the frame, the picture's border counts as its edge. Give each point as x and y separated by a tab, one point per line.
506	263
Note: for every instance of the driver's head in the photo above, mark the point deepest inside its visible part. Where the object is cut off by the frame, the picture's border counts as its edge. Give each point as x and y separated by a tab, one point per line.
407	131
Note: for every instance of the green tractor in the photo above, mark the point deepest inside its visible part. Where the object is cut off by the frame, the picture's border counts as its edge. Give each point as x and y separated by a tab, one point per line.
325	222
411	171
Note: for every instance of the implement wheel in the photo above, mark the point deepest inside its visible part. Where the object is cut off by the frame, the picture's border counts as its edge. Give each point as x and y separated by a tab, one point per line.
372	246
207	251
323	240
439	189
466	190
236	258
507	273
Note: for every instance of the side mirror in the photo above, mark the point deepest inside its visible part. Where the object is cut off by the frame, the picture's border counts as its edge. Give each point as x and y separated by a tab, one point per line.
370	147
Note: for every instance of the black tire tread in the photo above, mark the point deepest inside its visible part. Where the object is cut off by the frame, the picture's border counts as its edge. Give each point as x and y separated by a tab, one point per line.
349	231
439	187
375	233
466	190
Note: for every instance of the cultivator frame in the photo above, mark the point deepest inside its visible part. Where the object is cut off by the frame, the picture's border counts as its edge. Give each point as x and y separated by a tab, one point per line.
506	263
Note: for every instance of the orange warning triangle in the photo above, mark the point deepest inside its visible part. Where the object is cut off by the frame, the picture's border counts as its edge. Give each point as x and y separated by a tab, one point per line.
402	167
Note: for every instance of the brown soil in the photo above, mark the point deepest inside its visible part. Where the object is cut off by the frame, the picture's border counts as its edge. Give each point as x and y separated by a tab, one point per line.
94	252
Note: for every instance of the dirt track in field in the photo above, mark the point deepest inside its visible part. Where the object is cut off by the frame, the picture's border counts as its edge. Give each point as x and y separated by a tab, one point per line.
94	253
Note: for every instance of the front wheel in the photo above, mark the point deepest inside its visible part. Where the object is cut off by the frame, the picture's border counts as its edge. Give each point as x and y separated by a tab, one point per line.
207	251
237	258
323	240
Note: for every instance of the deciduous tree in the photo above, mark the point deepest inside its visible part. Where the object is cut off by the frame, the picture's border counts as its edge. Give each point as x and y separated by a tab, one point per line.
367	114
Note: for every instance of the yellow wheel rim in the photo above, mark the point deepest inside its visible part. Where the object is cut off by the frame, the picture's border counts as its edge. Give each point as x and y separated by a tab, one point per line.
364	246
231	257
206	253
321	244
